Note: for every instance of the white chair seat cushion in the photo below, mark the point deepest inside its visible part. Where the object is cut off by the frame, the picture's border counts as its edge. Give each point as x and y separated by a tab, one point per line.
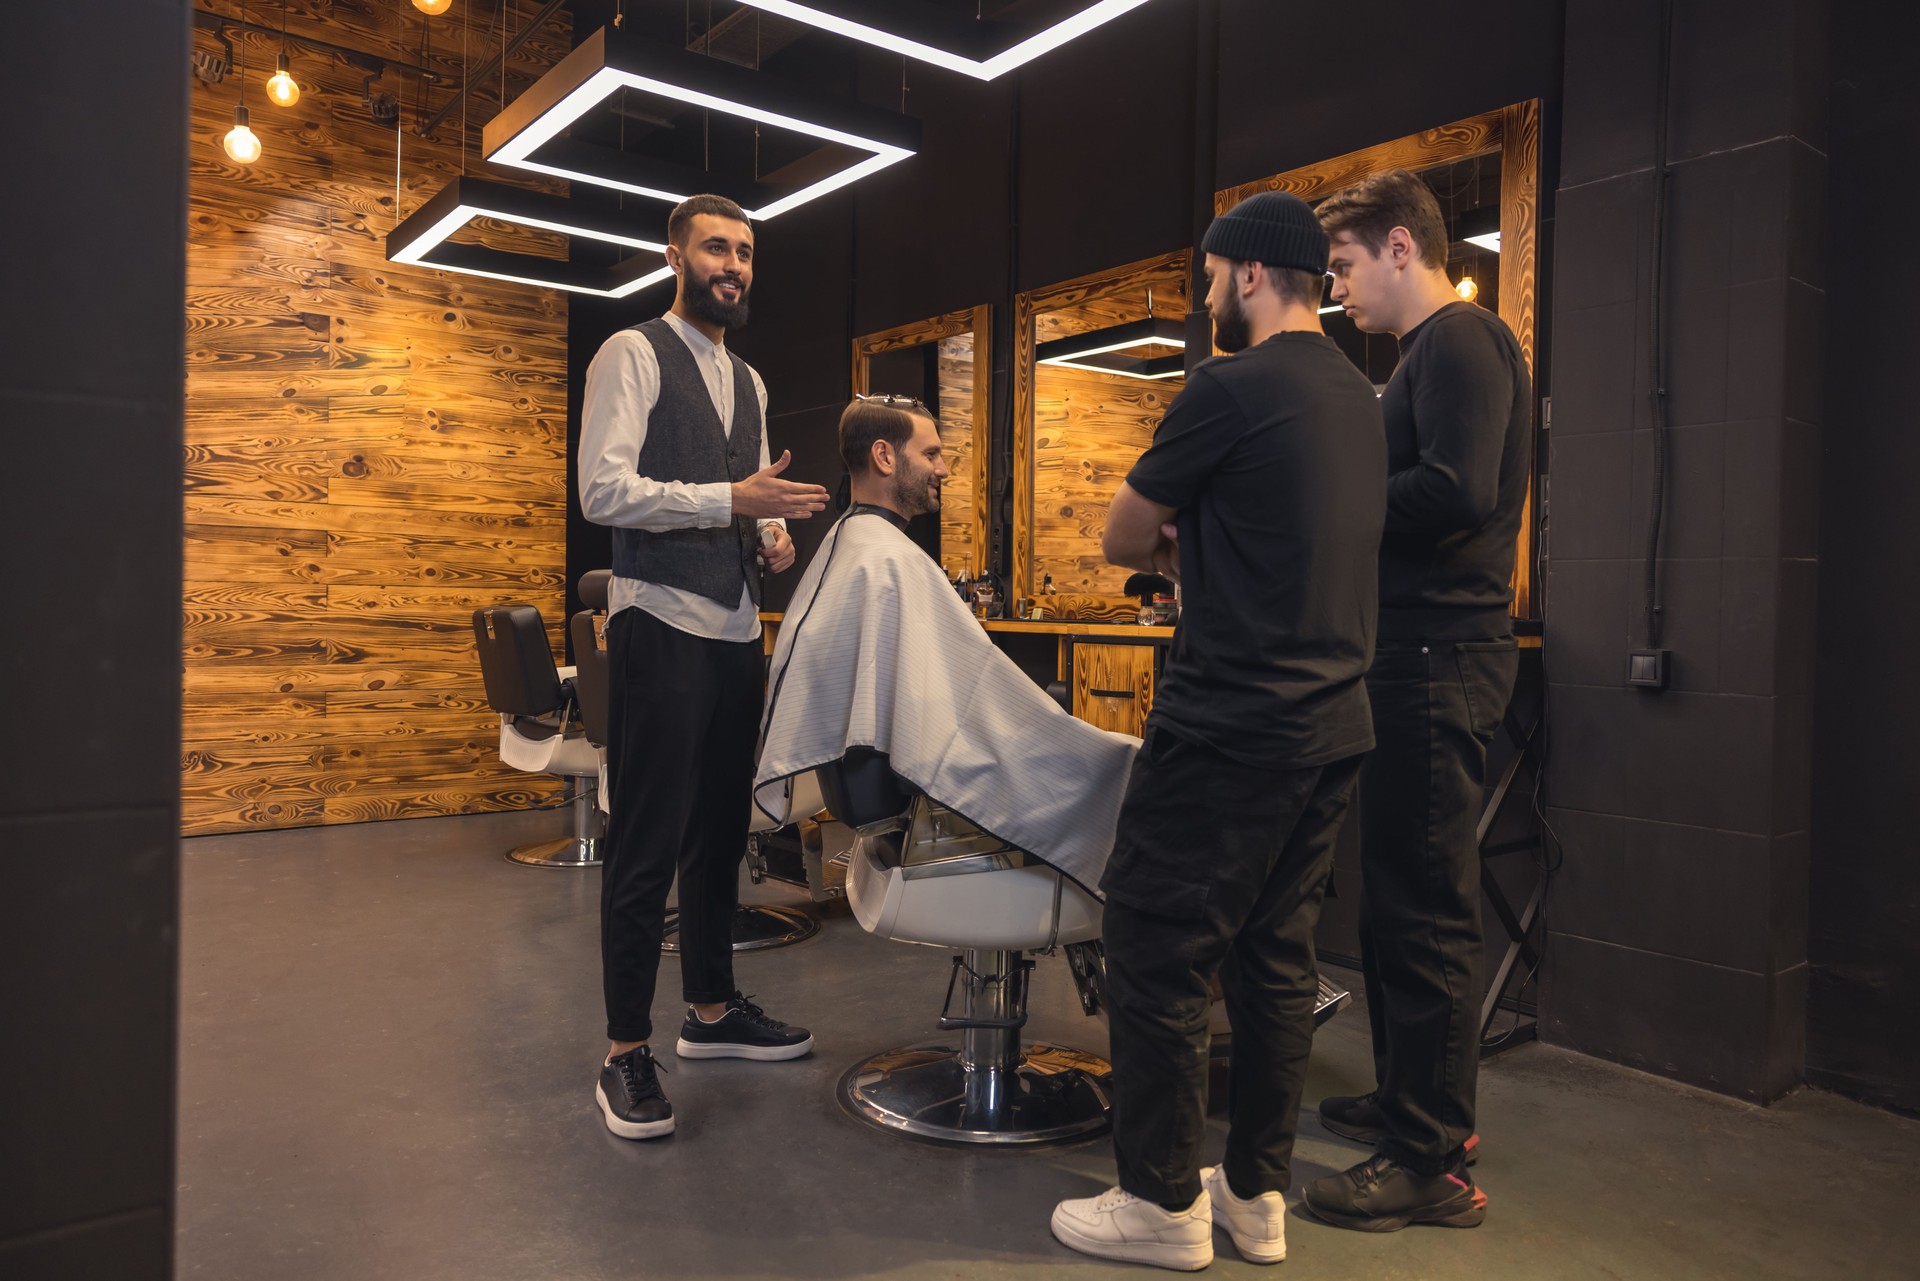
1010	908
555	754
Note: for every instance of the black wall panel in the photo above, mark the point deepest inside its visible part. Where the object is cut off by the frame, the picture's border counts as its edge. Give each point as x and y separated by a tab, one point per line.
1864	927
91	387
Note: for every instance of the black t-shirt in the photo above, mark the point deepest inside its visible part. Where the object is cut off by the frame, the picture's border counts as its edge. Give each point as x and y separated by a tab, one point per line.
1459	446
1272	458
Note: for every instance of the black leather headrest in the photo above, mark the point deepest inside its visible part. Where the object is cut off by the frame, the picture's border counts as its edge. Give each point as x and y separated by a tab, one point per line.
515	661
593	588
590	677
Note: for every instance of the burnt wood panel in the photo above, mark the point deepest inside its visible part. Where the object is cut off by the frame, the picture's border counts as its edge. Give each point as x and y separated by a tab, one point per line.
373	451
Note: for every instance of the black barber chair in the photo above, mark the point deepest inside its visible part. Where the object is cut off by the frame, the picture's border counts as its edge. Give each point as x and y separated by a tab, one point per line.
756	927
540	729
920	873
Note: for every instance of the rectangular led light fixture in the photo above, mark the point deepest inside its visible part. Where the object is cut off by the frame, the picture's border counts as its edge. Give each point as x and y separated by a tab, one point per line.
1110	350
425	239
527	134
982	49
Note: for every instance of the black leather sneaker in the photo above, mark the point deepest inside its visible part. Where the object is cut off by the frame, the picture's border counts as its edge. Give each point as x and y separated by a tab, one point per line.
630	1096
1355	1117
1380	1195
1358	1117
745	1031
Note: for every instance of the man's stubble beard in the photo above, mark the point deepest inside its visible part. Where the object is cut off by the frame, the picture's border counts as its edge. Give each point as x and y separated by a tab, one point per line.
910	495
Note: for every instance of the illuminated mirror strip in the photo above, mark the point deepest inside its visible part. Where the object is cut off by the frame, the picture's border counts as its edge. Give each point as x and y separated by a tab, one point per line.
416	250
1068	362
1026	51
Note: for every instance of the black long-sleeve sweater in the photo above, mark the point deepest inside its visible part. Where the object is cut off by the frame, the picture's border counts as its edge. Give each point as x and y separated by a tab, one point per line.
1459	448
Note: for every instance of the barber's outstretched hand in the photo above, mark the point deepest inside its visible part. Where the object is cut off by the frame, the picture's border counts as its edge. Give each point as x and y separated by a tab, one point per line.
776	549
764	495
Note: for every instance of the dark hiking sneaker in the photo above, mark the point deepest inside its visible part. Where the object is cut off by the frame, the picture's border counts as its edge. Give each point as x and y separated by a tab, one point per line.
1358	1117
1380	1195
745	1031
630	1096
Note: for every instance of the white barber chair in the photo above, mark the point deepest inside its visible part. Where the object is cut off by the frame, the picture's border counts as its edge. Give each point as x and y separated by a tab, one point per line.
920	873
541	731
756	926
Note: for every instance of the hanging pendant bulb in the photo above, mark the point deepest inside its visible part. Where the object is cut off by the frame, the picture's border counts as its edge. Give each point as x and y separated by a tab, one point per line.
433	8
241	142
281	87
1467	289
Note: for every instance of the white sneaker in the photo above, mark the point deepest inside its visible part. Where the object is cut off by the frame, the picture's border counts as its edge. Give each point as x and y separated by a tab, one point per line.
1119	1225
1258	1226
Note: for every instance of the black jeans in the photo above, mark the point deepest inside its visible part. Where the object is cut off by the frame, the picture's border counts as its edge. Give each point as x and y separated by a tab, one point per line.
684	715
1219	867
1436	706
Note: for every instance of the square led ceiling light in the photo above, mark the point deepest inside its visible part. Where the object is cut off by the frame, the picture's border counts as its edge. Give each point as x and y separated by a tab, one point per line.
425	238
849	140
983	49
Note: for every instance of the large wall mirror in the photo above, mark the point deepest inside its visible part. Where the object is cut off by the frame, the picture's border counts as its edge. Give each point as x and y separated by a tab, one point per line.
1097	360
1485	173
1079	430
938	362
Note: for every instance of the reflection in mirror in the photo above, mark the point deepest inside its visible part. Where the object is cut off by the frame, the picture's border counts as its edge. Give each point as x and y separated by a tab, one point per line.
1108	357
934	362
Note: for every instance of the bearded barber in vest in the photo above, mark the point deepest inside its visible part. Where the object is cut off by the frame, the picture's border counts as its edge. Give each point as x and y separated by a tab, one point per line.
673	455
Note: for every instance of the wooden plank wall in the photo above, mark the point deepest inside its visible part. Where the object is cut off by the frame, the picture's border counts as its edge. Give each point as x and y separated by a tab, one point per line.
373	451
1088	429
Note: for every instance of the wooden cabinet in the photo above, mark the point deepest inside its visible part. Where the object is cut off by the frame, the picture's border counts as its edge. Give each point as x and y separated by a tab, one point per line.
1113	685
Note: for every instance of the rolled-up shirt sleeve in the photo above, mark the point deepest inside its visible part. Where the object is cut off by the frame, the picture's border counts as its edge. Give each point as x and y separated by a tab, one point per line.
623	383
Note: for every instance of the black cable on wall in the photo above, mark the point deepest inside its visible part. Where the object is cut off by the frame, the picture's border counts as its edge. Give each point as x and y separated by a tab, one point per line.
1656	307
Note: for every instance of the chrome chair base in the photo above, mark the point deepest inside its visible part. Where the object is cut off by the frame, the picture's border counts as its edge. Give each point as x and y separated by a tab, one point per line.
1053	1095
568	851
756	928
582	848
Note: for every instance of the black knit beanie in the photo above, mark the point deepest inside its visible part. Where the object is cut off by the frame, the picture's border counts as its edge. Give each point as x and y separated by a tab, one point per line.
1272	227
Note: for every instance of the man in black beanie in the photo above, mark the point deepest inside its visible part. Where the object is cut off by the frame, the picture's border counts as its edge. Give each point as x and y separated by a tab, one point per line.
1261	494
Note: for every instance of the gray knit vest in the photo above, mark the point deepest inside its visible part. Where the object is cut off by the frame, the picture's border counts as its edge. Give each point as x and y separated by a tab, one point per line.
685	442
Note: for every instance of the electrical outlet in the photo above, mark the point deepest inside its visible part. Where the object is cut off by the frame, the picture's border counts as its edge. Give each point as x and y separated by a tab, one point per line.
1649	668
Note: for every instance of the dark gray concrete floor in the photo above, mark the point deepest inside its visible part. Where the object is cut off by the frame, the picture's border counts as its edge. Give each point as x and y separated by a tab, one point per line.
390	1037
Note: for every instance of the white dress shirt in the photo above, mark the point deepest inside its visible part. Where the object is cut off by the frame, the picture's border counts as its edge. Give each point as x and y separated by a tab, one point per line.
623	385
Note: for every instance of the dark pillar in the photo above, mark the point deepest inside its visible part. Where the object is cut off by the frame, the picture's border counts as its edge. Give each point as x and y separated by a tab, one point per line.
94	237
1679	920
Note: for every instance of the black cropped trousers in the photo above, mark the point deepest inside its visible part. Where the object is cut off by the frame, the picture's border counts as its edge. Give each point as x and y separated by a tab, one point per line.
685	712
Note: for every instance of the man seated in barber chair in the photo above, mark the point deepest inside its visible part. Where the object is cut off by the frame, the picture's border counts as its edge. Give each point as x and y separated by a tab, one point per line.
878	652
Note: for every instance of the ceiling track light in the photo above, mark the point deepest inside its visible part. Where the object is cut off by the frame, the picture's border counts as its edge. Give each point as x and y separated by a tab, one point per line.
1115	349
527	134
927	33
425	238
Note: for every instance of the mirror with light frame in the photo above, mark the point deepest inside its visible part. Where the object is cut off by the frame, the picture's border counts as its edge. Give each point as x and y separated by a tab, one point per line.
945	363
